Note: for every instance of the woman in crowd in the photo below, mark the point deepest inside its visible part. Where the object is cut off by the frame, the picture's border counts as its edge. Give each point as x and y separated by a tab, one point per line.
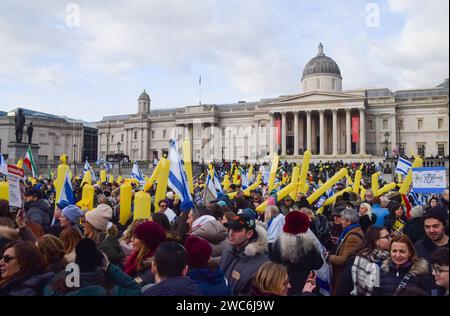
162	220
70	217
396	220
70	238
403	269
111	246
275	222
366	218
52	251
22	270
271	280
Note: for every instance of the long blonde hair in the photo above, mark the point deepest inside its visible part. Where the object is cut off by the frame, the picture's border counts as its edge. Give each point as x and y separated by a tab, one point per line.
270	212
271	278
368	208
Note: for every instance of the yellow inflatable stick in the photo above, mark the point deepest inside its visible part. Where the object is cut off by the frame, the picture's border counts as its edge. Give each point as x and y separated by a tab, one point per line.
125	202
339	175
188	164
142	203
273	171
388	187
163	179
357	183
375	184
153	178
103	176
418	162
4	191
294	179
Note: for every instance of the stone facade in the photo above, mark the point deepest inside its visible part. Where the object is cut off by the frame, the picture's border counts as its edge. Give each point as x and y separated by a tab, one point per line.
320	118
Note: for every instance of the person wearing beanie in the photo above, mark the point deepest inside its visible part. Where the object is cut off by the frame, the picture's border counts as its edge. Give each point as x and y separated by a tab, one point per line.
147	238
206	274
98	218
435	221
298	250
98	277
414	227
70	217
396	220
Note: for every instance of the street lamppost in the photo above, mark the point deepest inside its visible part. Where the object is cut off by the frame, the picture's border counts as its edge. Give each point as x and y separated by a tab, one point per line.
74	160
386	142
118	153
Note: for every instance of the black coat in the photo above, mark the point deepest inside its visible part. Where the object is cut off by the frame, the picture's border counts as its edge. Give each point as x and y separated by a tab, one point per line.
177	286
415	230
425	247
366	222
26	285
391	276
299	266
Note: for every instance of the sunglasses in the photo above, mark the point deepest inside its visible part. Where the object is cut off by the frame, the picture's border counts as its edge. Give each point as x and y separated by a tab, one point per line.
7	258
163	205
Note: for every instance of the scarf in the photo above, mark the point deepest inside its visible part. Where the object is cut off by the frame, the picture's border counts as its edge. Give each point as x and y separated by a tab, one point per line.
346	230
131	264
379	255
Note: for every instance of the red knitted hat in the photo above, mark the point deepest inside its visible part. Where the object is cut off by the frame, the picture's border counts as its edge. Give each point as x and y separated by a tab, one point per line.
198	251
151	234
296	223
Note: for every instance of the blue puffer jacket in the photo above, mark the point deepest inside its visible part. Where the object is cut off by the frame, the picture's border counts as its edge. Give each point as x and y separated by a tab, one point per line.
27	285
210	281
176	286
113	282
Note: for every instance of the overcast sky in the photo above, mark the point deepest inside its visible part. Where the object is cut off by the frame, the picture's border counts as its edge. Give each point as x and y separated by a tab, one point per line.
89	59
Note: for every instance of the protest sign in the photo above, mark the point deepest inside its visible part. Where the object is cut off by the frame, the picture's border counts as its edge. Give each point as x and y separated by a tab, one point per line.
15	175
429	180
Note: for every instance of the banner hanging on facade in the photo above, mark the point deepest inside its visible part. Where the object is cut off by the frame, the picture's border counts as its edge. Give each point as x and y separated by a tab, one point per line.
355	129
278	130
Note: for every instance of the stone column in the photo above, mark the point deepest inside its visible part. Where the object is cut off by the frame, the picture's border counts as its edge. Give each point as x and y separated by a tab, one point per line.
283	133
348	131
322	132
295	133
362	132
393	131
335	133
378	150
308	130
257	139
271	134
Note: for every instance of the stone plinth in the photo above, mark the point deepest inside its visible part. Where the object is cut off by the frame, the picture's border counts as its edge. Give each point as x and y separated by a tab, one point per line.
17	150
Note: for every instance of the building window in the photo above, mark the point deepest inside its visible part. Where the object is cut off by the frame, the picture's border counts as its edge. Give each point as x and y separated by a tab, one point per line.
135	135
370	124
289	126
441	149
421	149
401	149
121	138
55	158
263	129
400	125
419	123
385	124
112	138
153	134
164	134
440	123
318	83
42	159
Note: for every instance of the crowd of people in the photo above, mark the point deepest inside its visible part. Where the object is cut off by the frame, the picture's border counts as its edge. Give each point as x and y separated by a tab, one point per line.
375	246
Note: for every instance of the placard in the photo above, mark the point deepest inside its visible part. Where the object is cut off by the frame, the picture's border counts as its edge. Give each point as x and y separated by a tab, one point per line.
429	180
15	175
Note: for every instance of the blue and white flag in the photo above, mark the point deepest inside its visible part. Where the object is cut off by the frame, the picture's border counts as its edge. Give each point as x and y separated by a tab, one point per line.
67	191
403	166
3	165
87	168
104	163
265	177
177	177
330	192
211	187
217	184
321	201
136	174
244	181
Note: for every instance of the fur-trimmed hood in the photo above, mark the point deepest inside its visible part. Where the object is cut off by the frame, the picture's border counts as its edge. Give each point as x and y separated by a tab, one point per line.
259	245
418	268
294	248
9	233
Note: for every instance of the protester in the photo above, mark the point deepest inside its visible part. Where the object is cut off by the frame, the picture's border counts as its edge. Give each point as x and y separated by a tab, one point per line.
70	217
403	269
111	246
444	199
320	227
271	280
246	253
414	227
298	249
275	222
98	277
286	205
396	220
379	208
70	238
37	209
170	268
439	266
434	223
206	274
366	218
349	243
22	270
147	237
161	219
368	197
52	251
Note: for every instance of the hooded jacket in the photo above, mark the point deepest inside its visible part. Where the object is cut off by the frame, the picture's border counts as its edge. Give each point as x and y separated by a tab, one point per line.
39	212
240	266
300	254
210	281
176	286
391	277
216	235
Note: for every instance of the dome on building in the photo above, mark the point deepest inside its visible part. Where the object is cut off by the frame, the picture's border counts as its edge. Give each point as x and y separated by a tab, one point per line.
144	96
321	64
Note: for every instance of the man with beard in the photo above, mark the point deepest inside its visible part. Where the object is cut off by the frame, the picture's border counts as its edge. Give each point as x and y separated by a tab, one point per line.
434	223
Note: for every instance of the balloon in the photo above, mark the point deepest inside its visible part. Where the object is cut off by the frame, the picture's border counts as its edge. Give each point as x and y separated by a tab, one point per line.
388	187
188	164
163	179
103	175
375	184
332	199
294	179
125	203
142	203
273	171
418	162
87	178
363	193
339	175
357	183
87	198
153	178
4	191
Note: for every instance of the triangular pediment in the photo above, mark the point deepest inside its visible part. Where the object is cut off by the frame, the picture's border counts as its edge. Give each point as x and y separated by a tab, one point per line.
318	96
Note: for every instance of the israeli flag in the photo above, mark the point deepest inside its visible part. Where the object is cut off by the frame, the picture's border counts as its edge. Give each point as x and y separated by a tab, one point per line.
135	173
330	192
321	201
3	165
67	191
87	167
265	177
403	166
211	186
217	184
177	177
244	181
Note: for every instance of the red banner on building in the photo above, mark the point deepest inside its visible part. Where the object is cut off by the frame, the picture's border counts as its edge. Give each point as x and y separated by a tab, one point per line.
278	130
355	129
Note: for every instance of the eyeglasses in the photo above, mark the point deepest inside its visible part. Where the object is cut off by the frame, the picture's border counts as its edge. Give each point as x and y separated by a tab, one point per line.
385	237
438	270
7	258
163	205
